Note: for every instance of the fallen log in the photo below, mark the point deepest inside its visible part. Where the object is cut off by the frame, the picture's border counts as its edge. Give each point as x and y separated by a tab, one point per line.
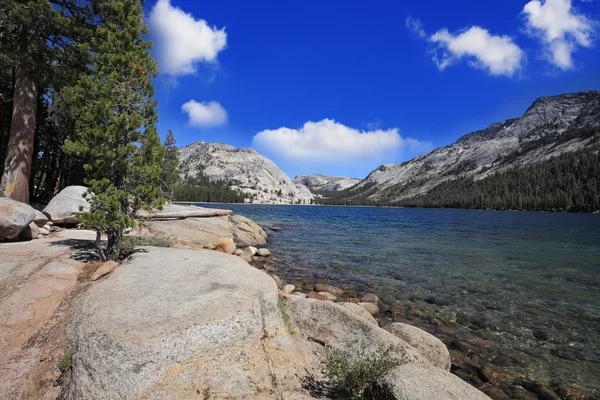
183	212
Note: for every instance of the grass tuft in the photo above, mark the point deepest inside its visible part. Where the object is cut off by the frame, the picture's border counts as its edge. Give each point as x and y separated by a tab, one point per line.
64	363
349	377
286	318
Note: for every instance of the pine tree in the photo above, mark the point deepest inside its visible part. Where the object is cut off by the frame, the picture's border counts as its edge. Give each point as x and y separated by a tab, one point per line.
40	43
115	125
170	177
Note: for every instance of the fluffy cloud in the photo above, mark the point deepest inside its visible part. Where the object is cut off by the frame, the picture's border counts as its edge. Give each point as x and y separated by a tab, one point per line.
329	141
560	28
205	114
497	54
182	41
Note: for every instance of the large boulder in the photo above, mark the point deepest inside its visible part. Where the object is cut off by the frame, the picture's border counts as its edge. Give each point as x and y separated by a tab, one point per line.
205	232
40	219
63	207
247	232
180	324
422	382
15	217
336	326
428	345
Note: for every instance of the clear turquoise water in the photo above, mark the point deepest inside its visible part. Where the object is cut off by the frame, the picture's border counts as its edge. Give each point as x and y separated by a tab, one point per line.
512	272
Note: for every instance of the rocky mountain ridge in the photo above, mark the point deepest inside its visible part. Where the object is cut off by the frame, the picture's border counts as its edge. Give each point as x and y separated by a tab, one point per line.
324	183
551	126
242	169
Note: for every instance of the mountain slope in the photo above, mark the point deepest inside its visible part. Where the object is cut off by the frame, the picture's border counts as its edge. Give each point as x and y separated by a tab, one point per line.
242	169
319	183
550	127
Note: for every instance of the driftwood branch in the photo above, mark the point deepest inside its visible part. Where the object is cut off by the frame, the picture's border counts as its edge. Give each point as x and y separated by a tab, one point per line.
185	213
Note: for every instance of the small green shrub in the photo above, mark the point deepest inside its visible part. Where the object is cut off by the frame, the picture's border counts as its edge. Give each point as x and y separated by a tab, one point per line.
349	377
64	363
130	242
286	318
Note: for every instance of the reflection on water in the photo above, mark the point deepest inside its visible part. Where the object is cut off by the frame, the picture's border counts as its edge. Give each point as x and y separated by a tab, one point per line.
532	280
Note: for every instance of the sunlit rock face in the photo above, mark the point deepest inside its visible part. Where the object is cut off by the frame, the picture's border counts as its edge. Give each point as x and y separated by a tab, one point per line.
242	169
544	131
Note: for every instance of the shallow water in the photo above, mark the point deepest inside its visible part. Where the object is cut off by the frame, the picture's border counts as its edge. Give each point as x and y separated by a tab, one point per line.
510	274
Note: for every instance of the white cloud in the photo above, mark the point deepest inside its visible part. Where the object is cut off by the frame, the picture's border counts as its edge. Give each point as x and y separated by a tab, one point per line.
560	28
497	54
415	26
328	141
182	41
205	114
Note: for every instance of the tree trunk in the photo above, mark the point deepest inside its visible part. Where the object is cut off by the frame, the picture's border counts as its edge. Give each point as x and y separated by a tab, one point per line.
115	240
17	165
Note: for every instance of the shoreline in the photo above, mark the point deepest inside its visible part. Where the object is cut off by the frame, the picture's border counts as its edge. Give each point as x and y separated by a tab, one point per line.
475	357
394	207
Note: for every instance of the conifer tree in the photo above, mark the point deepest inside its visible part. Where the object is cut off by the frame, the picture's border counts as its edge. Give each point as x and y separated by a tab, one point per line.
115	126
170	177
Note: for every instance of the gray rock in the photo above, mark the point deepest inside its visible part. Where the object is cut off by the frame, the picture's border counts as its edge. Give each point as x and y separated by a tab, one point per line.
299	294
14	217
360	311
277	280
422	382
288	289
373	309
370	298
63	207
31	232
428	345
245	169
263	252
322	296
40	219
325	287
320	183
247	232
44	231
172	323
330	323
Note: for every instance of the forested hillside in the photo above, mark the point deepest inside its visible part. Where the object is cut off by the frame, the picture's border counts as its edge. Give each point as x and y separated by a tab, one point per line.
202	189
569	182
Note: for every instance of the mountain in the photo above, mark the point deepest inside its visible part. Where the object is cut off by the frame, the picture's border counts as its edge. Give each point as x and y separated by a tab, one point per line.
319	183
550	127
242	169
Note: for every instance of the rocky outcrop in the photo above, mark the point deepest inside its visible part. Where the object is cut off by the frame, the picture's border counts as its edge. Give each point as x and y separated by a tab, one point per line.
322	183
242	169
329	323
202	233
182	324
420	382
63	207
15	217
544	131
428	345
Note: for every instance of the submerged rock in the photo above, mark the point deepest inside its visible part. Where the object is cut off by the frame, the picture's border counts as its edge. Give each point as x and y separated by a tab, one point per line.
63	207
323	296
325	287
263	252
15	217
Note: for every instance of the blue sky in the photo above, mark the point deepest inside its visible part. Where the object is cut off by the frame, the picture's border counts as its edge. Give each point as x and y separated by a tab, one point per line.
341	87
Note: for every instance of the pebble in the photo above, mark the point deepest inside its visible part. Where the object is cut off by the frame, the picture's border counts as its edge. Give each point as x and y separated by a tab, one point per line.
288	289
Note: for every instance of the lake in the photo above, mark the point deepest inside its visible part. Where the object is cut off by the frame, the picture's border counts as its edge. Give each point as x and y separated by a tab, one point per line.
529	283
